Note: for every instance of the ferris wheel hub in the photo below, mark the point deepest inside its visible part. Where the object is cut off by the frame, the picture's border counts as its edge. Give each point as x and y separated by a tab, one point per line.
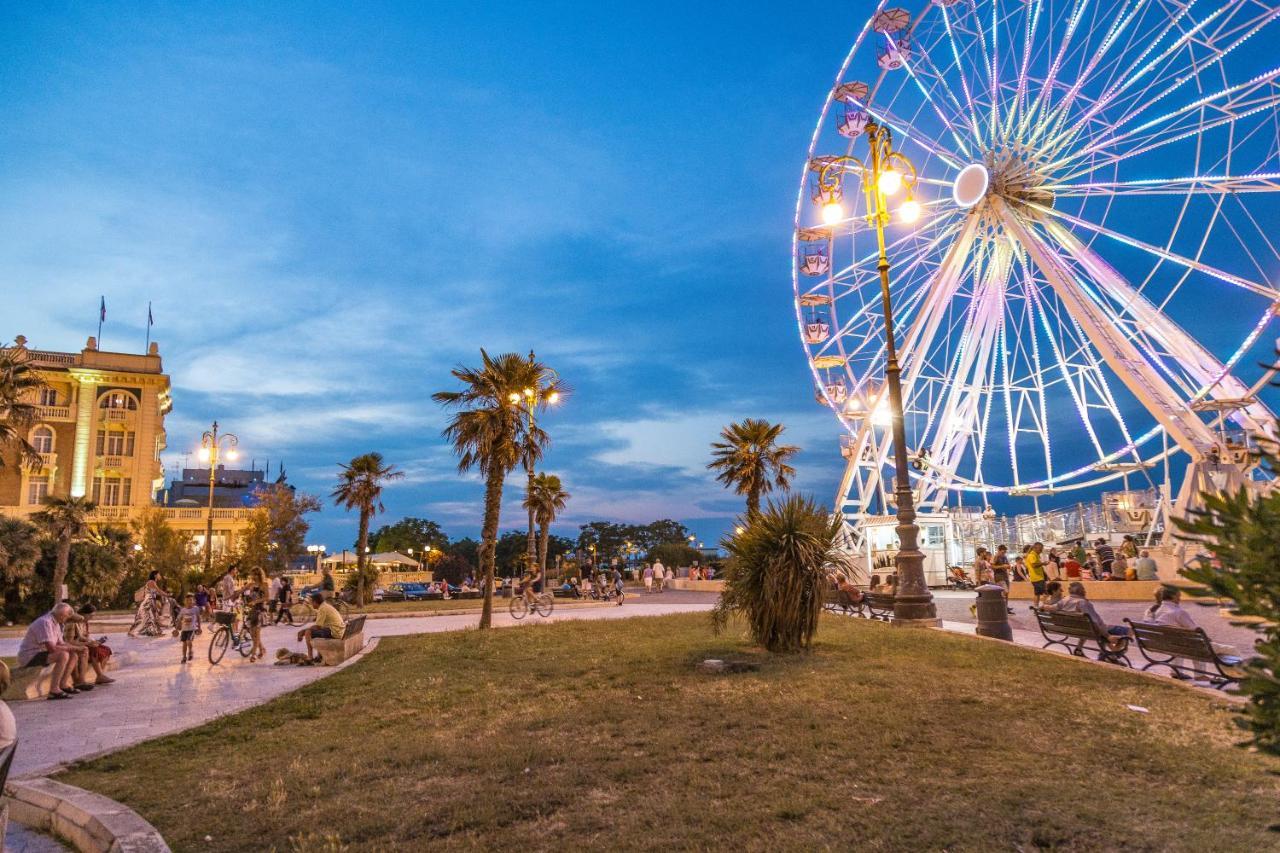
971	185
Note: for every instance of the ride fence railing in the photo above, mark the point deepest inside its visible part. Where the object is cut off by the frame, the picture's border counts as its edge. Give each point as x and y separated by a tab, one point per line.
1130	512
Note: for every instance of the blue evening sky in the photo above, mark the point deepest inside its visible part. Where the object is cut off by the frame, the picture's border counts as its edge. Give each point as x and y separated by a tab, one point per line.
330	207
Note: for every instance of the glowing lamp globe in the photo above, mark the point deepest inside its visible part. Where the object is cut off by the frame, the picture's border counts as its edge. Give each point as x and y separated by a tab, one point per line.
832	212
910	211
890	182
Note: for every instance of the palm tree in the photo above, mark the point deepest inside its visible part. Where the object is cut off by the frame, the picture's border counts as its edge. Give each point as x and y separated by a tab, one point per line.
18	413
490	434
65	519
750	459
360	487
546	502
777	571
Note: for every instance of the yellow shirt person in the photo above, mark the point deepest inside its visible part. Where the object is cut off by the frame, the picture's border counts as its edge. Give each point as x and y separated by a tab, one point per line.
327	617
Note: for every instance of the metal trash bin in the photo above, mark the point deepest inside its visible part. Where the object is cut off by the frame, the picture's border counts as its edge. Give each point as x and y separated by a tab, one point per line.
993	612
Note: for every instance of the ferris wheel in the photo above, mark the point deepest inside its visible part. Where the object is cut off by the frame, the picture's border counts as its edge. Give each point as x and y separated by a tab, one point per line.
1093	260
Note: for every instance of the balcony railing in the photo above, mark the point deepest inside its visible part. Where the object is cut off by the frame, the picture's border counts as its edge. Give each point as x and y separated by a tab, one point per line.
55	413
113	462
110	513
123	513
118	415
45	357
48	461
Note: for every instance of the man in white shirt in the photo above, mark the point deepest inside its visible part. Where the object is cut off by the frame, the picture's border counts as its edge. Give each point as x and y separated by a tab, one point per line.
659	575
1146	567
43	645
1170	611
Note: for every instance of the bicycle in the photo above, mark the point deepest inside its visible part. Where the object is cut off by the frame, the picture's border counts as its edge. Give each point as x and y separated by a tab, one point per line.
226	636
303	612
542	605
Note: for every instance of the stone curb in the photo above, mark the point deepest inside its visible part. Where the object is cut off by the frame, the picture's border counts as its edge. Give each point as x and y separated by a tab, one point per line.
89	822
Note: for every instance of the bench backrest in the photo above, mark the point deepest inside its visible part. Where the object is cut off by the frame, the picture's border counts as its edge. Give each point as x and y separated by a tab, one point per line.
1190	643
354	626
879	600
1069	624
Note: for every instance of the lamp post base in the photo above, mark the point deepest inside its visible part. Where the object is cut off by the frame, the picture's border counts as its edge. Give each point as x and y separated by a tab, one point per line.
926	622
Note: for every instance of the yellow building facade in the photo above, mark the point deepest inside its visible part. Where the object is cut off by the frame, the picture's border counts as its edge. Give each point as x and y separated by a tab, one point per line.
100	434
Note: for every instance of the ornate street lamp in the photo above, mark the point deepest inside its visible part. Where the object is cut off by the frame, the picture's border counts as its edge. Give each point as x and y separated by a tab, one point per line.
883	174
211	447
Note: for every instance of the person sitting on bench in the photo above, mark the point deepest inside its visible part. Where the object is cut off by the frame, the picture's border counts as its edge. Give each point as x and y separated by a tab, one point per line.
43	646
328	624
1075	602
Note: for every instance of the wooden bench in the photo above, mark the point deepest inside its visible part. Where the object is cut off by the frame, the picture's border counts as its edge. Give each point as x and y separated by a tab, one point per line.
878	605
1066	626
334	652
839	601
1163	645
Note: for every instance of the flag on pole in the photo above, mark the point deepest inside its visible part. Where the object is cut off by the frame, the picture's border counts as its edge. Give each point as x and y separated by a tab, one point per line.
102	315
151	321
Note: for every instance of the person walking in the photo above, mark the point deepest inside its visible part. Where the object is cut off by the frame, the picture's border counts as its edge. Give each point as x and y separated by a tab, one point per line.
648	578
284	601
188	626
1034	563
659	575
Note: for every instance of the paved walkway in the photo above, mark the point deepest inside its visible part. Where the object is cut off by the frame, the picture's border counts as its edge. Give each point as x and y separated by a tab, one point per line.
20	839
155	695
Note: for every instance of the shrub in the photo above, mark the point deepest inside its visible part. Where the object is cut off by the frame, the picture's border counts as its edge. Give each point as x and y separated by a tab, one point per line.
776	572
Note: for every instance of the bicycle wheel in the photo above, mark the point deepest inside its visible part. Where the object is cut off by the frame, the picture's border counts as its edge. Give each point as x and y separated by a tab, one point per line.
218	644
519	607
344	609
545	604
244	643
302	613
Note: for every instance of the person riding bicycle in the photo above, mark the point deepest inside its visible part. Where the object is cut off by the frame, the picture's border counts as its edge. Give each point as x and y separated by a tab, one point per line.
527	580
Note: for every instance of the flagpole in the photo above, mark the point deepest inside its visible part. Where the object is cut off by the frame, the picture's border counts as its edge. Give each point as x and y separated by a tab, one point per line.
147	346
102	315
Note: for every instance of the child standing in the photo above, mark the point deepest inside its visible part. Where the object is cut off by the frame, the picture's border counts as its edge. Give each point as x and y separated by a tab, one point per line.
253	619
188	625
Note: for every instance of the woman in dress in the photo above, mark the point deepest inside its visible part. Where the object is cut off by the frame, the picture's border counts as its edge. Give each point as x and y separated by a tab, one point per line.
147	620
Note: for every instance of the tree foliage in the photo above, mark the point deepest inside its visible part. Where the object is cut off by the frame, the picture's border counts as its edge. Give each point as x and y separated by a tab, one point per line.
1241	534
452	568
490	434
749	459
277	531
610	538
19	552
360	485
465	549
675	554
19	382
65	519
777	572
410	532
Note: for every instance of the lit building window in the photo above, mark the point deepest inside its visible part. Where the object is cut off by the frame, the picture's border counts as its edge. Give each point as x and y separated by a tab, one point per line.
117	400
48	397
112	491
42	440
37	490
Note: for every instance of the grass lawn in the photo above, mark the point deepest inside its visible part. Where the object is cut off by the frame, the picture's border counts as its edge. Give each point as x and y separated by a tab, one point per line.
604	734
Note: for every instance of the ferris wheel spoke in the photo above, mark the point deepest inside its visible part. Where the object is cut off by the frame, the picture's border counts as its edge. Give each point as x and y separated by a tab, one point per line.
1144	99
1261	182
959	66
1115	348
1141	67
923	69
1051	79
1212	377
1230	104
967	378
903	129
1268	291
1059	112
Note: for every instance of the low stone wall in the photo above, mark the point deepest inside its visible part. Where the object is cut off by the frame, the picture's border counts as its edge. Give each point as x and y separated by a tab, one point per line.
697	586
340	579
1097	590
89	822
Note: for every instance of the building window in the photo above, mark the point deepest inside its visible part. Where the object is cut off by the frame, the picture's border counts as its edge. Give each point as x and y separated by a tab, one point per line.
117	400
42	440
115	444
128	443
37	490
48	397
112	491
